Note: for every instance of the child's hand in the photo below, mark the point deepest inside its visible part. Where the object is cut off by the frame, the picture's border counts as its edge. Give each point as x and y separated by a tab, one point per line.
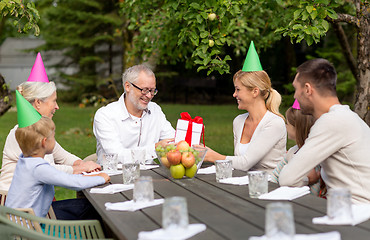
105	176
313	177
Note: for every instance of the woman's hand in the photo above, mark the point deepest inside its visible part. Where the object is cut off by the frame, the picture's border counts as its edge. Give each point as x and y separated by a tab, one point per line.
211	155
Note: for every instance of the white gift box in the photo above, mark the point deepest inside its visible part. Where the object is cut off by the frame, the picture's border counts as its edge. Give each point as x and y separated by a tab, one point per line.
181	129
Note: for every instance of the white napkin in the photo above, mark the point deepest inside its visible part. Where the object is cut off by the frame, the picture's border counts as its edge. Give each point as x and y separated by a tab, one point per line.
316	236
239	180
360	213
208	170
148	167
173	234
112	188
236	180
286	193
131	205
142	167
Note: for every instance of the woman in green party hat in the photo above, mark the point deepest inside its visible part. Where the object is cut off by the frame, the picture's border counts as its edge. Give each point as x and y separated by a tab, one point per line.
43	96
260	133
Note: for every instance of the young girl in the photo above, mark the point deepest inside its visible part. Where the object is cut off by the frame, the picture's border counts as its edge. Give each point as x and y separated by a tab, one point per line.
298	128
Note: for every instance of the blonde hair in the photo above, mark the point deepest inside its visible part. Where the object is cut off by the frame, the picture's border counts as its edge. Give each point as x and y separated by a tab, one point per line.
29	138
261	80
36	90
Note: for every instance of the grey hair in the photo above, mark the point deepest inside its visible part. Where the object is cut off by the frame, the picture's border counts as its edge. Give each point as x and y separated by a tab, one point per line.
36	90
132	74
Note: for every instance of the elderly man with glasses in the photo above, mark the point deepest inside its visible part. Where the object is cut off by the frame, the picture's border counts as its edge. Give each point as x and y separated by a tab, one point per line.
134	121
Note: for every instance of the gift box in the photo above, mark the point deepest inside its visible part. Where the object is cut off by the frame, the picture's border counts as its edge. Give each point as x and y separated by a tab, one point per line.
188	129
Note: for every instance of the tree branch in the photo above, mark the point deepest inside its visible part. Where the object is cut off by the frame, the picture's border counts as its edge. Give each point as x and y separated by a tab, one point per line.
346	49
342	17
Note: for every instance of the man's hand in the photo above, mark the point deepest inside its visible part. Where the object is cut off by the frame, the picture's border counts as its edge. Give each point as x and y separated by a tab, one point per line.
164	142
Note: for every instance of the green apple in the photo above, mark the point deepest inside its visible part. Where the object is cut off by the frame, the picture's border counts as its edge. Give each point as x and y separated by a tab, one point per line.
211	43
190	172
177	171
212	16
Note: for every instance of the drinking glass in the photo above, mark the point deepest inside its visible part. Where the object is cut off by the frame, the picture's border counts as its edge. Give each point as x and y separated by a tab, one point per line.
175	213
224	169
138	155
109	162
130	172
339	205
258	183
279	222
143	189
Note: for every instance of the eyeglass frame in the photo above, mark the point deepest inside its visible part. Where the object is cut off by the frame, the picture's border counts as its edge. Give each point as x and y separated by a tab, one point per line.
145	91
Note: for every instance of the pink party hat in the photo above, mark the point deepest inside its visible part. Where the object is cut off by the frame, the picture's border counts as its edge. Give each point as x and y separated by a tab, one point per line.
38	73
296	105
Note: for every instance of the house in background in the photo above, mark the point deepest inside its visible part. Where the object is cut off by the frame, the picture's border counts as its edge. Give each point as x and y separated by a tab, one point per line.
16	63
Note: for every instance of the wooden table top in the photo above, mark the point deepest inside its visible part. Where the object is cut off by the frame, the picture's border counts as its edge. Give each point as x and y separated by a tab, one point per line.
226	210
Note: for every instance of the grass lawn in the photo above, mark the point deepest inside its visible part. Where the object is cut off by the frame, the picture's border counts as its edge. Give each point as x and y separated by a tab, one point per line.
74	129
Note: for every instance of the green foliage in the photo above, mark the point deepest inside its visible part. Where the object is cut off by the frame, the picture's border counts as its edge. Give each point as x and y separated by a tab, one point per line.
310	18
23	13
198	33
84	30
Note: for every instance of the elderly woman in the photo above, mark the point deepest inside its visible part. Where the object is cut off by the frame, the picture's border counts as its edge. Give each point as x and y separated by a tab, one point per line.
43	97
260	133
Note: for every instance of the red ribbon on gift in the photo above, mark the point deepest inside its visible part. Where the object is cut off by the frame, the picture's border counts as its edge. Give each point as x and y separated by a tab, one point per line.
186	116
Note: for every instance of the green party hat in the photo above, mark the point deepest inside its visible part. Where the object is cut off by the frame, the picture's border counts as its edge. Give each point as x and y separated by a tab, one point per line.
252	62
27	114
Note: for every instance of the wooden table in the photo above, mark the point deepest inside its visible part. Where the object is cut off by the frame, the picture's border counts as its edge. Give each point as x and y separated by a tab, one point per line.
227	210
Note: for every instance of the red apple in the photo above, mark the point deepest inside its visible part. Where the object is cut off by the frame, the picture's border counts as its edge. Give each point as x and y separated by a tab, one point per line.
183	146
174	157
187	159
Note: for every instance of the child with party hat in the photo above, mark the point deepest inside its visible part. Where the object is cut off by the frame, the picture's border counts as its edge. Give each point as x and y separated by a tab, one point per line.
42	94
260	133
298	128
34	178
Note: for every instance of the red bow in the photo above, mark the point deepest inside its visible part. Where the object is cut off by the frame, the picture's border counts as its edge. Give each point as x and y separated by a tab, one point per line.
197	119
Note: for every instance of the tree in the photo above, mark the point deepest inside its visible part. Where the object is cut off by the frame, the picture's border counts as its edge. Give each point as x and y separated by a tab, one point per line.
85	31
198	32
201	33
25	17
311	22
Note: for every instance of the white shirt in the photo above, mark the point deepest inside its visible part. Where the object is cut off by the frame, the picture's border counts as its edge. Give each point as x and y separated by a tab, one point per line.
117	132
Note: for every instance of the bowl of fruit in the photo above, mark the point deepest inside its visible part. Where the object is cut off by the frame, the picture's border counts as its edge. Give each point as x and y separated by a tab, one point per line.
180	160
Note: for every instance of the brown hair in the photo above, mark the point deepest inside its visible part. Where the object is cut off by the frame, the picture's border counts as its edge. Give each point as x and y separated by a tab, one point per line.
261	80
321	74
29	138
302	124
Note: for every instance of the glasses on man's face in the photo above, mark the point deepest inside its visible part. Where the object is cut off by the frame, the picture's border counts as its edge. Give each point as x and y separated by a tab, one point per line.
145	91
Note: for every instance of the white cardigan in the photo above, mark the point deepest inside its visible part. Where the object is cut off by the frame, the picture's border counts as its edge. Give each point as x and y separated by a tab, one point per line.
267	146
